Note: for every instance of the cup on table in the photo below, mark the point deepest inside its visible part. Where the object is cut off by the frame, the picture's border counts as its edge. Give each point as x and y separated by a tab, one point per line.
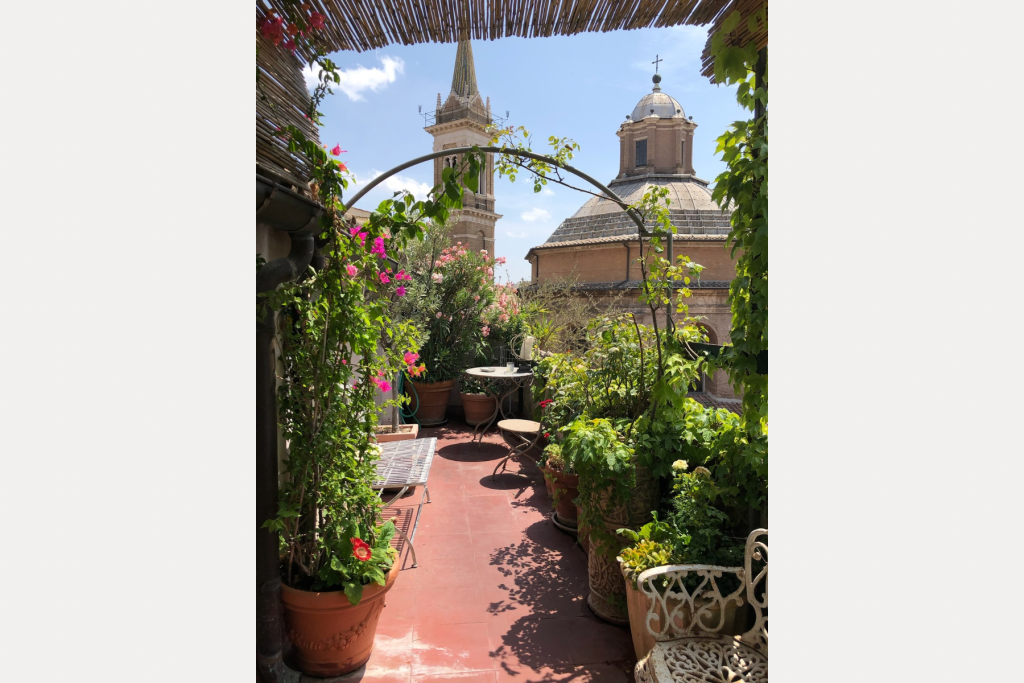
510	367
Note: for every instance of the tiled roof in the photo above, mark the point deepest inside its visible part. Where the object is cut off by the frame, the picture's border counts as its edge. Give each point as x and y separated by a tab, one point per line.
617	239
691	210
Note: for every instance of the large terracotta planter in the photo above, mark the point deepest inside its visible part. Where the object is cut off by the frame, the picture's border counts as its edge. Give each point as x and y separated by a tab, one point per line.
331	636
548	484
431	401
638	604
478	407
607	597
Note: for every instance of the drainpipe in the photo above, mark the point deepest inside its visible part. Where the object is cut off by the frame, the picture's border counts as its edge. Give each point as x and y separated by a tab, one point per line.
285	210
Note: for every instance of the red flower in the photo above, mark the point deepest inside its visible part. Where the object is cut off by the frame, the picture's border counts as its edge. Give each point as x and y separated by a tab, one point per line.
360	550
289	44
342	167
337	150
316	20
545	403
546	435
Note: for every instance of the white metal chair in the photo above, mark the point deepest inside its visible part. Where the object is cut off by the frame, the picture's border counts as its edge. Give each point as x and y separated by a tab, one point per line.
690	646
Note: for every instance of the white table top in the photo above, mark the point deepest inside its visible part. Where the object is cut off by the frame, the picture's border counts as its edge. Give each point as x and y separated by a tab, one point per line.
494	372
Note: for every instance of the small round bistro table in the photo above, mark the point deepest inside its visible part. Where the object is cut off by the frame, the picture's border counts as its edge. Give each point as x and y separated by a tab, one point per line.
501	384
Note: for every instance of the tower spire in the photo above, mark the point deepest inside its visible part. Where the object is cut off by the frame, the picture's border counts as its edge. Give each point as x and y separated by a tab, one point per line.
464	77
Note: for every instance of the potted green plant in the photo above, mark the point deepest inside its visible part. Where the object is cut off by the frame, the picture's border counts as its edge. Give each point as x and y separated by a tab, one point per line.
563	487
478	405
336	560
451	288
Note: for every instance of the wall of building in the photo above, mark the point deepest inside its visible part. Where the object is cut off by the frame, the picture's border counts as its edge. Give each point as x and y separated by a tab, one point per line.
607	262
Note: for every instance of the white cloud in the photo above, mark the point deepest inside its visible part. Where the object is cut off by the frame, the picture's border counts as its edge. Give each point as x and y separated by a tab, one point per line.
354	81
515	235
535	214
548	192
397	183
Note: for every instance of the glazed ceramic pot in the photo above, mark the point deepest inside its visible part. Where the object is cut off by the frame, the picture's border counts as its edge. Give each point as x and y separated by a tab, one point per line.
478	407
331	636
431	401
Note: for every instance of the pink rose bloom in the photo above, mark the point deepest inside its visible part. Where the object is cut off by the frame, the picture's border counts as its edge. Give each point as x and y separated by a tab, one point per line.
384	279
352	270
400	290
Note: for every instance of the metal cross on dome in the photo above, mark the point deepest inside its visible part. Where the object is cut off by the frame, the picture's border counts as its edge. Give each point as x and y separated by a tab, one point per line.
655	63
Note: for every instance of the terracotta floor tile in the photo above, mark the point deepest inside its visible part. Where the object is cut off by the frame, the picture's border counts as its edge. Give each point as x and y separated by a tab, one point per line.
614	672
530	647
469	677
487	543
391	658
439	649
484	521
593	641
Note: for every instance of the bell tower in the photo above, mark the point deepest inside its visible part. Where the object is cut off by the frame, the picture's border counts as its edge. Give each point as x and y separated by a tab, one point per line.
461	121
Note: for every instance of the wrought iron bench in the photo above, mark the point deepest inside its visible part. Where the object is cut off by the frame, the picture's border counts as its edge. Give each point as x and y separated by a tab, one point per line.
690	645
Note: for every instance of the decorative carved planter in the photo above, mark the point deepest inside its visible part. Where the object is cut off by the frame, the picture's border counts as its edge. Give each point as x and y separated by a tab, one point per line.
607	596
431	401
331	636
478	408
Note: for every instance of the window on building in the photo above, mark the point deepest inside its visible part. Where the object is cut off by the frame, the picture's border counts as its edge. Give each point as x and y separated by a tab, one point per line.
683	157
641	152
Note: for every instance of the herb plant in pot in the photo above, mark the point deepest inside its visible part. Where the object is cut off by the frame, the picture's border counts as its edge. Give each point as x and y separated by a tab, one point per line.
336	560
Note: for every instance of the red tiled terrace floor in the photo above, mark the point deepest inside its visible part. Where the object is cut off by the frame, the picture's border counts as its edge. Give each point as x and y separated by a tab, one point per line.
500	593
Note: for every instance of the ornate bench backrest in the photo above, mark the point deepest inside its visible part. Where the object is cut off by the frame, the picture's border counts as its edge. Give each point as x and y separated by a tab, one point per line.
687	600
755	560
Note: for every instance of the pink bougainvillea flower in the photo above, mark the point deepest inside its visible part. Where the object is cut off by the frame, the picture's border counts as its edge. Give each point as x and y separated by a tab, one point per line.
337	150
344	362
384	279
292	29
289	44
360	550
362	239
378	247
354	230
316	20
400	290
352	270
384	385
410	357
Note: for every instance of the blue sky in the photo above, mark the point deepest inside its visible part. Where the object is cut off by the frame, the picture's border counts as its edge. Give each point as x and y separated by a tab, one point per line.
576	86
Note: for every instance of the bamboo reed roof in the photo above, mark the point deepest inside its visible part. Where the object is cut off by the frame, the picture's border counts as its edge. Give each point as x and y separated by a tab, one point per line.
362	25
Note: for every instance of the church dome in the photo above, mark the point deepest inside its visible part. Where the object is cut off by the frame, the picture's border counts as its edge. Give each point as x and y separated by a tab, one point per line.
657	104
691	208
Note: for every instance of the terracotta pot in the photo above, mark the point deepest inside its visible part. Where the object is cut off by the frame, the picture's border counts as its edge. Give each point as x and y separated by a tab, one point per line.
583	533
638	604
548	484
431	401
404	434
478	408
331	636
565	493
